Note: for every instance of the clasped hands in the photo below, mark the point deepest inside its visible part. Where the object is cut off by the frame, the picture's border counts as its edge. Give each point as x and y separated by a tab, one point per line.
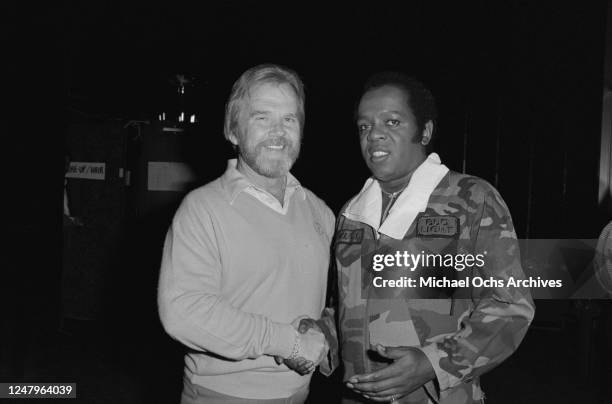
309	349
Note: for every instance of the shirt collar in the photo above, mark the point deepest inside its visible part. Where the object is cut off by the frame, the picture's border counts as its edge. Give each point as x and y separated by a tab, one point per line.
235	182
366	207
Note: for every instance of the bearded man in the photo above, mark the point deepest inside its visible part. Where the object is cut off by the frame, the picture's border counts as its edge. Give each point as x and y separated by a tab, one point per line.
246	257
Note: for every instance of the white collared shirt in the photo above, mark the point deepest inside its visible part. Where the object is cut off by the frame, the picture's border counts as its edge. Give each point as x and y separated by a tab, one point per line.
238	183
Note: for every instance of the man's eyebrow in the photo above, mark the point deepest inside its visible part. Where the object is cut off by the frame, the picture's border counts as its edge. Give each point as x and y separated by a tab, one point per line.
258	112
391	111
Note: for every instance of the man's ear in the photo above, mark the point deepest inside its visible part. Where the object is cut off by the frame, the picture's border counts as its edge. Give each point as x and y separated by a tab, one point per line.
427	132
233	138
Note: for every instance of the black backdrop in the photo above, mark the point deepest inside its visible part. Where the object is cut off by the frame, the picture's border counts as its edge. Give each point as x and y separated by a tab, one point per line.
518	84
519	88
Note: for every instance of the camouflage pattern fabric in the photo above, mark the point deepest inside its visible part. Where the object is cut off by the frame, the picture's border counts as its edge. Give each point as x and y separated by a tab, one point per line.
327	325
463	337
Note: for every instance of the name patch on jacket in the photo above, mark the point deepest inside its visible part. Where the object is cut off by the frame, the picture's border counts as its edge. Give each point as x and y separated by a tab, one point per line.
438	226
350	236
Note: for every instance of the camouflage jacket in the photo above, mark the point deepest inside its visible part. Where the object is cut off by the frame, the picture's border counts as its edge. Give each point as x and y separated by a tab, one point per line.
463	335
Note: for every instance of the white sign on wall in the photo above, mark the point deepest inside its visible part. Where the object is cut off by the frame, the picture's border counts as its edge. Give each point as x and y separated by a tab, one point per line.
86	170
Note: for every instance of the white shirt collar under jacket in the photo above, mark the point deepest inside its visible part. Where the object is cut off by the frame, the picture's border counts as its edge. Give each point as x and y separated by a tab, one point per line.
366	207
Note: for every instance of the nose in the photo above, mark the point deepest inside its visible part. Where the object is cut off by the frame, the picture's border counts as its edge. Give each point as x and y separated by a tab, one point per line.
376	133
278	128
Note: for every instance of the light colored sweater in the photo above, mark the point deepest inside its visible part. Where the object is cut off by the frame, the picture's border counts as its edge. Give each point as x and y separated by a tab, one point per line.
236	271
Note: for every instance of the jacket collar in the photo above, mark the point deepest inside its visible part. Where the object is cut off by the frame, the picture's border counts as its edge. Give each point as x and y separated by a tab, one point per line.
366	207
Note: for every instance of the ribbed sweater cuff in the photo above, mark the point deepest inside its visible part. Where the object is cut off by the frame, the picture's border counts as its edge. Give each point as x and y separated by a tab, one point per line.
282	338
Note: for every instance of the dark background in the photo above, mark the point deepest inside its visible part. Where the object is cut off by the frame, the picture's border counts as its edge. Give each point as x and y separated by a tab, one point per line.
519	89
520	83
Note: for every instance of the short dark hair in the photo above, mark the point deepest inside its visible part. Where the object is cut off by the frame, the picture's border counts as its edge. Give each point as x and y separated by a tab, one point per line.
420	99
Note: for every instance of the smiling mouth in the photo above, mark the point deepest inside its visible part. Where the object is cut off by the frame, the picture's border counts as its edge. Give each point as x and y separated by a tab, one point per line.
275	147
378	156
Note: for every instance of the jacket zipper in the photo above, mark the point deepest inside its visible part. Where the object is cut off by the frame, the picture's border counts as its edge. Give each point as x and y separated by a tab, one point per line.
366	322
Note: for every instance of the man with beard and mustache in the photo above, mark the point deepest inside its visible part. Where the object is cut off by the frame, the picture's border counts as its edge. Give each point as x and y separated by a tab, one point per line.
246	258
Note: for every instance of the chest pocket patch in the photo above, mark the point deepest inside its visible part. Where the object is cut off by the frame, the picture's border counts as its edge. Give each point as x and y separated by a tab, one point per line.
438	226
350	236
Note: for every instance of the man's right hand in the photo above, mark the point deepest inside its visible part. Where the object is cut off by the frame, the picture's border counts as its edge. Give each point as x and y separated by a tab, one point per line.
308	323
299	365
313	346
310	343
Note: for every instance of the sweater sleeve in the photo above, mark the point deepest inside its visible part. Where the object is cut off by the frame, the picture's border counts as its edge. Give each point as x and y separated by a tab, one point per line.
191	307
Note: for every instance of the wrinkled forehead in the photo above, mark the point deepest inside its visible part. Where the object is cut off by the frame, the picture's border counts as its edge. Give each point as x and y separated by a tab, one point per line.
270	96
270	89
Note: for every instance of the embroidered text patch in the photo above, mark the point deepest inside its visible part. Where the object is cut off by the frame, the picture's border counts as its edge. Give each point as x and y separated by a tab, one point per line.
438	226
350	236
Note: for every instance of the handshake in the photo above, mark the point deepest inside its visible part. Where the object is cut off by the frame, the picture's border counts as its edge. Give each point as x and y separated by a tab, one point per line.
309	347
